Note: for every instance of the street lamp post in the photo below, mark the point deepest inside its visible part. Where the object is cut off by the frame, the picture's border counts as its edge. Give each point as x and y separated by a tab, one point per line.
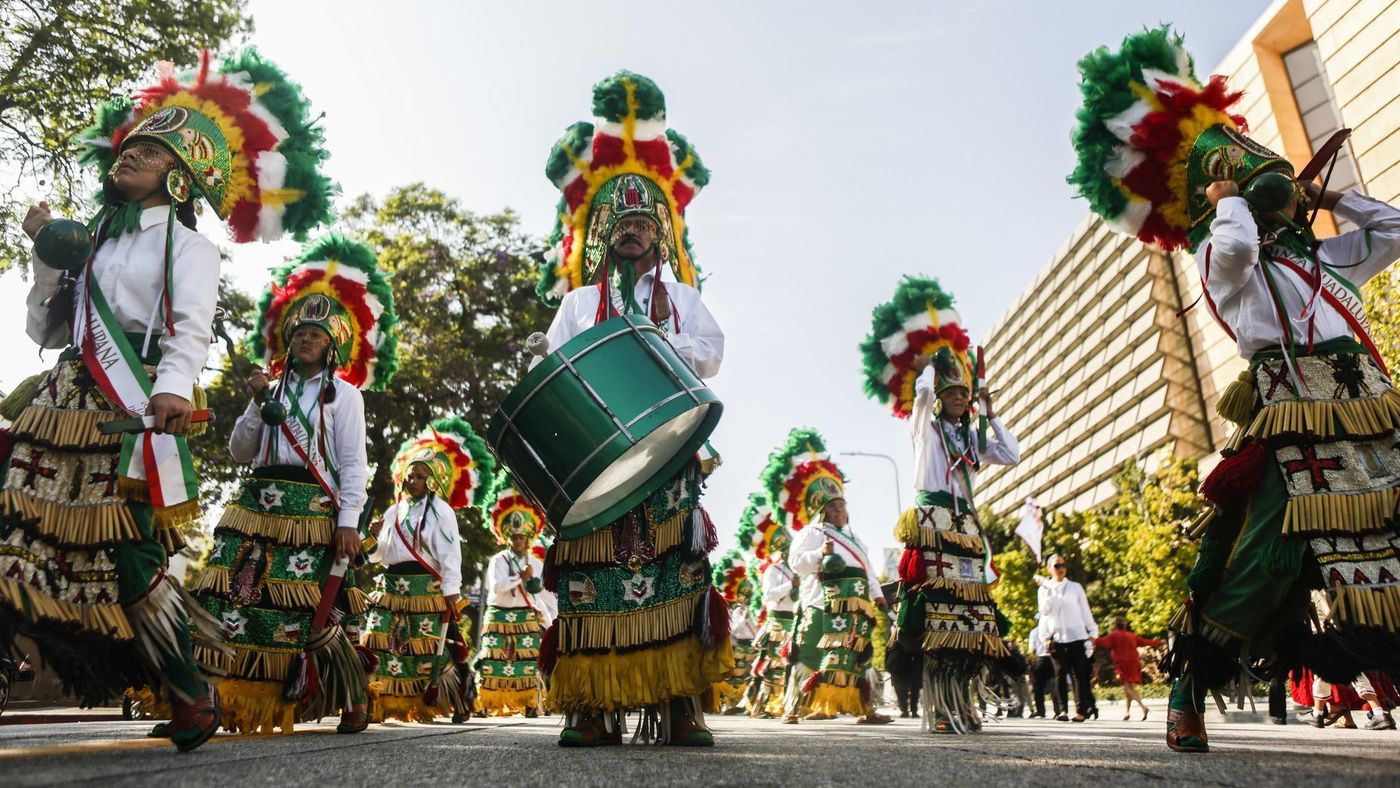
898	499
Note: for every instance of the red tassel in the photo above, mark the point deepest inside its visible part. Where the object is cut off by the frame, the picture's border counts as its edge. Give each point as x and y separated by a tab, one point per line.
760	666
7	446
718	616
865	694
912	569
1236	477
549	649
432	693
785	650
551	572
811	683
303	681
369	660
711	533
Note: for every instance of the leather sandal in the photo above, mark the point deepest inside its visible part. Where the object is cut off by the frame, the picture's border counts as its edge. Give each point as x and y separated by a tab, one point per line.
354	719
193	724
1186	731
590	732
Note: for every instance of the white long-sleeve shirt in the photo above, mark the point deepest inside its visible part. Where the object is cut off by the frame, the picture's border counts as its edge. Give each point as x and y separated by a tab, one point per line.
777	583
805	558
435	537
1064	612
931	454
1038	645
505	588
345	440
130	270
698	339
740	624
1229	265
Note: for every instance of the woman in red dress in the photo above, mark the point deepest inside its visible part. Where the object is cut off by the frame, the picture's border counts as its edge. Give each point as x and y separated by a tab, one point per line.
1123	644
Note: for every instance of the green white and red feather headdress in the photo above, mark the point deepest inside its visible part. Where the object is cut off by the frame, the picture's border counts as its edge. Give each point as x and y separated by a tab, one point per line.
759	532
590	165
1151	139
337	285
918	321
515	513
731	577
460	467
801	479
244	133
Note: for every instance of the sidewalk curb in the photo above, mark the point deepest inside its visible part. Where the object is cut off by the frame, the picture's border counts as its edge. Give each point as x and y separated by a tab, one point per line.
50	719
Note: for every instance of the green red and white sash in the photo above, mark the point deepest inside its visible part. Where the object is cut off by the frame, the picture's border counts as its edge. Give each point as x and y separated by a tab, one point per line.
162	461
1344	298
297	430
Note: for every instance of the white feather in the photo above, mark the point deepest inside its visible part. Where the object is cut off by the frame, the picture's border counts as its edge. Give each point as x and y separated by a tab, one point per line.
1121	125
645	129
1123	160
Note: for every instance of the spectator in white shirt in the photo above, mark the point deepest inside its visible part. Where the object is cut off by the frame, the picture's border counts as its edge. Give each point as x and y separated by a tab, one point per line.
1068	626
1043	672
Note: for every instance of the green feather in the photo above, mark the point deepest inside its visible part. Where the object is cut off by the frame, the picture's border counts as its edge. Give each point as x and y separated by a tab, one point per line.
610	98
800	440
913	296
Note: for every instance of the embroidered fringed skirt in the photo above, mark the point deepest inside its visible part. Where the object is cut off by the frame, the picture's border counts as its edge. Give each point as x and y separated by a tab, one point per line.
508	662
404	627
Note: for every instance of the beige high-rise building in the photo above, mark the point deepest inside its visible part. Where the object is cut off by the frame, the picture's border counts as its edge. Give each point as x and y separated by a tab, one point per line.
1104	370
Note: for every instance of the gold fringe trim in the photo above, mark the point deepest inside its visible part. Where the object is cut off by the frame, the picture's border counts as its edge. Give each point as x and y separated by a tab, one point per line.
65	428
1355	416
851	604
982	642
1236	403
613	681
515	684
507	702
378	641
843	640
405	708
72	526
1339	513
255	707
909	532
962	589
630	628
513	629
152	705
727	694
390	686
502	655
597	547
358	600
249	663
428	603
166	521
1367	607
107	620
289	531
831	699
300	594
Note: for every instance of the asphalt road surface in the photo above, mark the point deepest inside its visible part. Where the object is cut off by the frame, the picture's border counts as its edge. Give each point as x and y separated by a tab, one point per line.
748	752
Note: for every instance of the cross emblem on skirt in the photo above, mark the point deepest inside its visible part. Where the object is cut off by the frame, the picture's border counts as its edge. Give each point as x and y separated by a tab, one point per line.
33	468
1313	465
110	477
1276	379
938	565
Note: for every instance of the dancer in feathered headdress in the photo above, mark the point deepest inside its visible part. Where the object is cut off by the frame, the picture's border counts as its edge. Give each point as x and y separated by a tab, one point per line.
775	592
281	548
640	626
1305	495
412	626
919	360
838	586
132	297
731	577
518	611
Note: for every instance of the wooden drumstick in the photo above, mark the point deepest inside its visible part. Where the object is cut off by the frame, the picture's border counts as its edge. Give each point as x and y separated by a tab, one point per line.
538	344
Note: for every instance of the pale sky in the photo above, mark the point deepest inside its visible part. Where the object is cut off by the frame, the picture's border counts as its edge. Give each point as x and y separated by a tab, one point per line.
850	143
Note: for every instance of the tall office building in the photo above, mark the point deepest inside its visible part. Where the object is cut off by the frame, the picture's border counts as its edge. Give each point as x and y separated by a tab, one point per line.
1104	369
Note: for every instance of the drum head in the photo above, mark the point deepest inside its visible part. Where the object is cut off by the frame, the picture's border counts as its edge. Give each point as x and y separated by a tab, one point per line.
642	467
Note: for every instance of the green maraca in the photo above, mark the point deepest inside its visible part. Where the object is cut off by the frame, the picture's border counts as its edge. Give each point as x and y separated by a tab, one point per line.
63	244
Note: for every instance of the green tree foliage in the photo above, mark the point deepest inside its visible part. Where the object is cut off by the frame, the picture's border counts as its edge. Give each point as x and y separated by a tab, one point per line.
1129	555
1383	310
464	292
59	60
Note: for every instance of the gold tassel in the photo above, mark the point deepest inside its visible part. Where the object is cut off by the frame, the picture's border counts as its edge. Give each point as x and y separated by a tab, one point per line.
828	698
255	707
505	702
906	530
13	406
1236	403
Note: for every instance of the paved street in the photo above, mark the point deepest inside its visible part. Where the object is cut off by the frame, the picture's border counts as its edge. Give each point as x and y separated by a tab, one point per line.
749	752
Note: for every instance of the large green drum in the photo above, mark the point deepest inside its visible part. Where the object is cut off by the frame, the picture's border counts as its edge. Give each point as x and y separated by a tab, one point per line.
601	422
